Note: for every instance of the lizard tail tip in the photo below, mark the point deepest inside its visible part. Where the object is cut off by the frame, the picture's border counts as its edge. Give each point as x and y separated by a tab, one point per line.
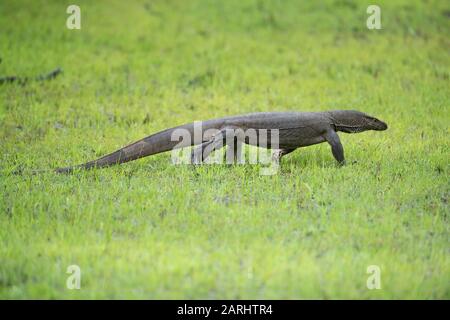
64	170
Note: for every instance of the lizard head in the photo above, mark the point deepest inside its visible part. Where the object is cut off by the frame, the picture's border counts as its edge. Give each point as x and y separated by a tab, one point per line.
351	121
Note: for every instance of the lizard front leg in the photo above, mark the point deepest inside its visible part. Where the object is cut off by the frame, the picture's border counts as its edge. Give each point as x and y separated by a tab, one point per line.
336	146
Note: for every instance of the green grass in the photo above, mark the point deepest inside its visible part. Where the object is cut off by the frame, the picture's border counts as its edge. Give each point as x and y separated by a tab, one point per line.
149	229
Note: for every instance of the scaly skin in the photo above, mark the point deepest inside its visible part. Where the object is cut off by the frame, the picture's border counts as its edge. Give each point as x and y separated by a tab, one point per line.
296	130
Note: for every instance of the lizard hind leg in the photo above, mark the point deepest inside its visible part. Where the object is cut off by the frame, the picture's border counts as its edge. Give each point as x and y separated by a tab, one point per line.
231	136
202	152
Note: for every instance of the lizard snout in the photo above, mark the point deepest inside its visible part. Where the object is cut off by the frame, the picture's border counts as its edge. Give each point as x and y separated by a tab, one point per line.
381	125
376	124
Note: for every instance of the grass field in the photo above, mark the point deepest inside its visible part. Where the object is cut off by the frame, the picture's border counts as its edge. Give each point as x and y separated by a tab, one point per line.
152	230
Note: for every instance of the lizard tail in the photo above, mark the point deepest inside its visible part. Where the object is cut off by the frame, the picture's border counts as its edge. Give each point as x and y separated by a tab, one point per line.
153	144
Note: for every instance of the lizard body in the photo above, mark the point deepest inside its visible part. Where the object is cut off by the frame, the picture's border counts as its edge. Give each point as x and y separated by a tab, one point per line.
295	130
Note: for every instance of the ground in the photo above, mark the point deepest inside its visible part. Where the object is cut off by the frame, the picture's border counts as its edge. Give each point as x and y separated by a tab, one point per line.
150	229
